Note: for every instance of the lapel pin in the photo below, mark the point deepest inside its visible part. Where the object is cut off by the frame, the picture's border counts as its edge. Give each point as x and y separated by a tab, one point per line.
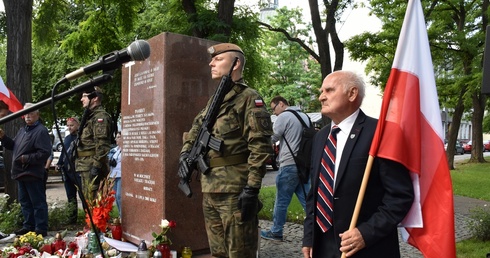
352	136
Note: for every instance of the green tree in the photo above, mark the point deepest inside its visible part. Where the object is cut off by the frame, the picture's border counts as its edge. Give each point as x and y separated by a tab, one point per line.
72	34
293	74
456	35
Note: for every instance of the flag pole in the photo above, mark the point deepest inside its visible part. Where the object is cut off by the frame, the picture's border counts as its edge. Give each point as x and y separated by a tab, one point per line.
360	196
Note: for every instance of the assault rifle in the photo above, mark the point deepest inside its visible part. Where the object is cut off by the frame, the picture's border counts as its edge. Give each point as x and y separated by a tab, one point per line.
204	140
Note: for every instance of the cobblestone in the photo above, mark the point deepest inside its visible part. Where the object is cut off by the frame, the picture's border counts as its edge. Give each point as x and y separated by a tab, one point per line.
293	233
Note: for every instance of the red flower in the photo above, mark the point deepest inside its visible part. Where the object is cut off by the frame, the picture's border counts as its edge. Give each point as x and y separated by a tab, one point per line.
102	205
72	246
172	224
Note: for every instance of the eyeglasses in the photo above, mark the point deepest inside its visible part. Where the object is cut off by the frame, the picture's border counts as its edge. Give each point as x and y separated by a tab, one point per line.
274	108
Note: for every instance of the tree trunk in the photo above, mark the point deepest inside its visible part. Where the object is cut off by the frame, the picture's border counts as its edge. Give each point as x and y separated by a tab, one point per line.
338	46
19	69
321	39
477	122
454	128
478	101
191	11
225	15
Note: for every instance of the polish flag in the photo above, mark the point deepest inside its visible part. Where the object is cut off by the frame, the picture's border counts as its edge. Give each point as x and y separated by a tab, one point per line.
9	98
410	131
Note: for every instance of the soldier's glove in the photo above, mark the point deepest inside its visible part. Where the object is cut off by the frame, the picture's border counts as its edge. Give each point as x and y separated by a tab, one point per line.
248	203
94	171
184	169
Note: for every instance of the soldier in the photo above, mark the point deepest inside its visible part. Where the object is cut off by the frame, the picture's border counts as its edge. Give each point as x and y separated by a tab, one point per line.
94	143
231	188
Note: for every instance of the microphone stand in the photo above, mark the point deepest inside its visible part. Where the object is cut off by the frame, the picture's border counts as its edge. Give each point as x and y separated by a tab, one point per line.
98	80
71	173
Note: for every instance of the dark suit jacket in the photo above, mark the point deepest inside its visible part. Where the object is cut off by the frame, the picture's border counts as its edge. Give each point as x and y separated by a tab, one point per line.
387	200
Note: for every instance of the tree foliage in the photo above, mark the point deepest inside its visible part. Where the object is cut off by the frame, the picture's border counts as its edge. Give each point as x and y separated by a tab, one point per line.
69	34
293	73
456	34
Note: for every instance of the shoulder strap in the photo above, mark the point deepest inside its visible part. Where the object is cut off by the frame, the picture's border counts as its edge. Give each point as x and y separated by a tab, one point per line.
300	119
302	122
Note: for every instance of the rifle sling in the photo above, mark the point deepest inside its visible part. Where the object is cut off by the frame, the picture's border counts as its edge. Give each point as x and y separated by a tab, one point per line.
229	160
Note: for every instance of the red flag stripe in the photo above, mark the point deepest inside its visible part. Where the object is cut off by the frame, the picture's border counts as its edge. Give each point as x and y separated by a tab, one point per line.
9	98
403	127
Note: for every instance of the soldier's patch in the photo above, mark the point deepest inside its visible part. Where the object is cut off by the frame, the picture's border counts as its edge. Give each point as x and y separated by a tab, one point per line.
262	120
100	120
259	103
100	130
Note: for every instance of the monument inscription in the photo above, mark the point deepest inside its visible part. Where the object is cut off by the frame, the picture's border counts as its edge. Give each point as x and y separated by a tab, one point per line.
160	97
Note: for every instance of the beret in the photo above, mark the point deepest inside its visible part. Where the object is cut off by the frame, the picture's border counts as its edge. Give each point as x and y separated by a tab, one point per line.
95	89
222	48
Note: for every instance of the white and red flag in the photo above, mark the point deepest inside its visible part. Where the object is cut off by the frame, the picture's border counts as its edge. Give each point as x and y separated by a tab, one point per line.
9	98
410	131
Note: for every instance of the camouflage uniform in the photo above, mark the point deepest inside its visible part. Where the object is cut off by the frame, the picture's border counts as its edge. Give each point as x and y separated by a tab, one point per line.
93	148
244	126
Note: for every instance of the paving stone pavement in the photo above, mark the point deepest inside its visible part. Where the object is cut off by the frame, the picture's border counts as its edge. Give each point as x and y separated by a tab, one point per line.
293	233
291	246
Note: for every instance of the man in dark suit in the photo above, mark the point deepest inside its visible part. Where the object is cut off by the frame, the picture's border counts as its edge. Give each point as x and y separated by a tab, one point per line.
389	192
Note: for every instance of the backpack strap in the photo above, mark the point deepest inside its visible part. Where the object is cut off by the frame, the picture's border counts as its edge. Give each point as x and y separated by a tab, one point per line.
304	126
301	119
289	147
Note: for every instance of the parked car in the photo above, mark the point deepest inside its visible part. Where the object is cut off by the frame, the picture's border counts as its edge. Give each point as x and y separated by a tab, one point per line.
458	149
486	145
57	145
467	146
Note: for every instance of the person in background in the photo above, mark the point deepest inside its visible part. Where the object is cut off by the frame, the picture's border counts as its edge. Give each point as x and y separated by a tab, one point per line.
288	128
30	148
94	143
70	178
389	193
115	157
4	110
231	188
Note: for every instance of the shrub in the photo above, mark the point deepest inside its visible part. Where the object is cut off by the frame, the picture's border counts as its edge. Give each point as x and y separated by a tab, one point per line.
480	223
10	215
59	215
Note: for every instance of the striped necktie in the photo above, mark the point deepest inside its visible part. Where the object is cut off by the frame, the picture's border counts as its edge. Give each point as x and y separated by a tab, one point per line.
324	204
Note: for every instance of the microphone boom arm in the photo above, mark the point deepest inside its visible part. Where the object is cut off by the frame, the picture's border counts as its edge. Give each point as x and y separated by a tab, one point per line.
98	80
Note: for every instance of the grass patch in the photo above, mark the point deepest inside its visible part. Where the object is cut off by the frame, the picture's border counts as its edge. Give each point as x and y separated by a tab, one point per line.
472	248
472	180
469	180
268	195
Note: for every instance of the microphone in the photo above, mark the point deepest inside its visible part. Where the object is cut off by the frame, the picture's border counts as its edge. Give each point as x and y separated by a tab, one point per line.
139	50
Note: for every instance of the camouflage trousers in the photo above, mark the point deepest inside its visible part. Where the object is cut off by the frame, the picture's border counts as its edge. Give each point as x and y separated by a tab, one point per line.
227	235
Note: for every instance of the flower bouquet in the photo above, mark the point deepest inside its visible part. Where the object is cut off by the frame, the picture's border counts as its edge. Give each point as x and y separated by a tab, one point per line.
101	206
161	240
32	245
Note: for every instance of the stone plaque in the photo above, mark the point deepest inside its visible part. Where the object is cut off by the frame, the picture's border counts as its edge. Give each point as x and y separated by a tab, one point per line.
160	98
